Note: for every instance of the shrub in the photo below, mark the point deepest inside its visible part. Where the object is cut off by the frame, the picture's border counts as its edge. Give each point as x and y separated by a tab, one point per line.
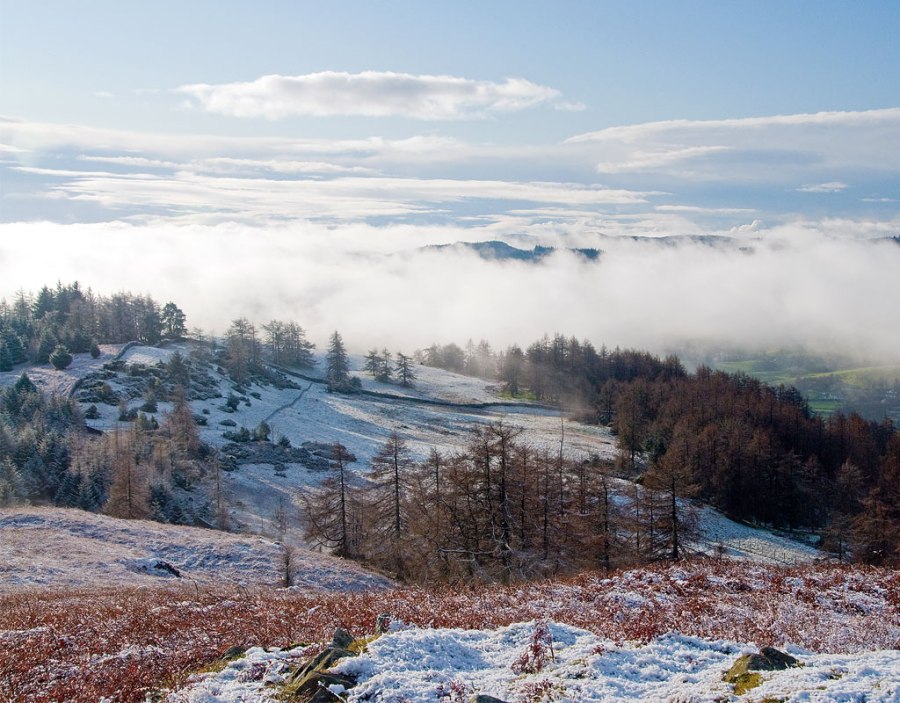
60	358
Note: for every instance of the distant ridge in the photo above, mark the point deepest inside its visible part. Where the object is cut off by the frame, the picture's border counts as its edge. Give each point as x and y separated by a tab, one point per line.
495	250
501	251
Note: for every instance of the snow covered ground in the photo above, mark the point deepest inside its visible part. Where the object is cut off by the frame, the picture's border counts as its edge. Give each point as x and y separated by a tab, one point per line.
423	665
48	379
60	548
439	412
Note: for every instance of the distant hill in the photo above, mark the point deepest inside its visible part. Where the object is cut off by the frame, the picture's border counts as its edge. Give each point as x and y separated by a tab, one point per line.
494	250
501	251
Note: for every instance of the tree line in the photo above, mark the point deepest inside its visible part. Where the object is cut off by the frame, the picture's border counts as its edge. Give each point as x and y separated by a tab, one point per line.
76	320
499	509
754	451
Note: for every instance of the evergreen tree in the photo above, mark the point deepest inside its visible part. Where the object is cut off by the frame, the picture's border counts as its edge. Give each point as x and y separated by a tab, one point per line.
12	487
60	358
173	321
6	362
178	370
385	372
373	363
337	365
405	373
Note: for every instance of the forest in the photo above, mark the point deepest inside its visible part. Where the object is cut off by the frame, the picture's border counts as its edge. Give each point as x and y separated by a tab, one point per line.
497	509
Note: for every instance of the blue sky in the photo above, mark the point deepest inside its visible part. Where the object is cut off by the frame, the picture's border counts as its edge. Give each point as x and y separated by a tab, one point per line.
627	62
363	129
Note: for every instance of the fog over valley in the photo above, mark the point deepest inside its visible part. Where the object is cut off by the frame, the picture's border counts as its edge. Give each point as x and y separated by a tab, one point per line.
831	288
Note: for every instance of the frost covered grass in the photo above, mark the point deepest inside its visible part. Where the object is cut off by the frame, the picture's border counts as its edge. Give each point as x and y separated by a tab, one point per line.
83	645
69	548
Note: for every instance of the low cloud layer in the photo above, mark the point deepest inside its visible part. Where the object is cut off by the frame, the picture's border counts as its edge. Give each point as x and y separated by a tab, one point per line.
782	213
371	94
796	285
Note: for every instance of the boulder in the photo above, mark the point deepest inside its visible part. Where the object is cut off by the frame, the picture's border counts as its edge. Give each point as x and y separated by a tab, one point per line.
309	683
744	672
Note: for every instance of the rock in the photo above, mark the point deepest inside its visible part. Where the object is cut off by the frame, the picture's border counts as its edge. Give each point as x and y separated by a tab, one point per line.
743	673
342	639
161	565
314	688
484	698
309	683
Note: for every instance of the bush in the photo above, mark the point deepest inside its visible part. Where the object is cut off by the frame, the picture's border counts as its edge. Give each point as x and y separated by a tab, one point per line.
60	358
95	351
92	413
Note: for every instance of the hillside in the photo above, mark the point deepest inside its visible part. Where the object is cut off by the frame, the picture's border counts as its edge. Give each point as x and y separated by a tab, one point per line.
65	548
666	632
261	487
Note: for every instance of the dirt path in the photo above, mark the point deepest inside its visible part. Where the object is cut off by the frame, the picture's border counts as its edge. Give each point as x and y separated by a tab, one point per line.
288	405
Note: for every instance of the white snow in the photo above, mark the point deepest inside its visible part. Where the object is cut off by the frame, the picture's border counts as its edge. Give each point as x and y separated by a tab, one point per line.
48	379
254	493
57	548
419	665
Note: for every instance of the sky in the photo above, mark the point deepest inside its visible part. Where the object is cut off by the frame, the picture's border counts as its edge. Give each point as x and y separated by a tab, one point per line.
738	164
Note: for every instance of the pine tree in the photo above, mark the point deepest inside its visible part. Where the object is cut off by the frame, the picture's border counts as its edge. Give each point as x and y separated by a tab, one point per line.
60	358
337	368
12	487
391	477
6	362
331	513
404	368
373	363
173	321
385	372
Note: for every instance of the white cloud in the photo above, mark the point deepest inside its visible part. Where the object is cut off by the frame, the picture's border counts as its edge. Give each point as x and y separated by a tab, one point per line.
776	149
647	160
184	193
704	210
371	94
830	187
795	284
634	133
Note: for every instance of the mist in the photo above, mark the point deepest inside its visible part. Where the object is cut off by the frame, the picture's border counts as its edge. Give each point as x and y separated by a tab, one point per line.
792	286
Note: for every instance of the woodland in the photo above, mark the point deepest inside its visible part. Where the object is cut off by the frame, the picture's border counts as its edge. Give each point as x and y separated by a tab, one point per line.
496	510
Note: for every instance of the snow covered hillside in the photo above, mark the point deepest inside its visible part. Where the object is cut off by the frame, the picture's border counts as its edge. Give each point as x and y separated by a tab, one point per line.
422	665
439	412
60	548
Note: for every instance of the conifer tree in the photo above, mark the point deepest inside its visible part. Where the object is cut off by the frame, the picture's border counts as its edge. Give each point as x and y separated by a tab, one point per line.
331	513
173	321
391	477
405	373
60	358
337	368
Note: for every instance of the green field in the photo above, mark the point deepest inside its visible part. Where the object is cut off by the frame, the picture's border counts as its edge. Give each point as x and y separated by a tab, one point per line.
829	385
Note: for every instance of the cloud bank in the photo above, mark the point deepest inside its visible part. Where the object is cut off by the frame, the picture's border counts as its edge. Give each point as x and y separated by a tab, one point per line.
795	285
371	94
